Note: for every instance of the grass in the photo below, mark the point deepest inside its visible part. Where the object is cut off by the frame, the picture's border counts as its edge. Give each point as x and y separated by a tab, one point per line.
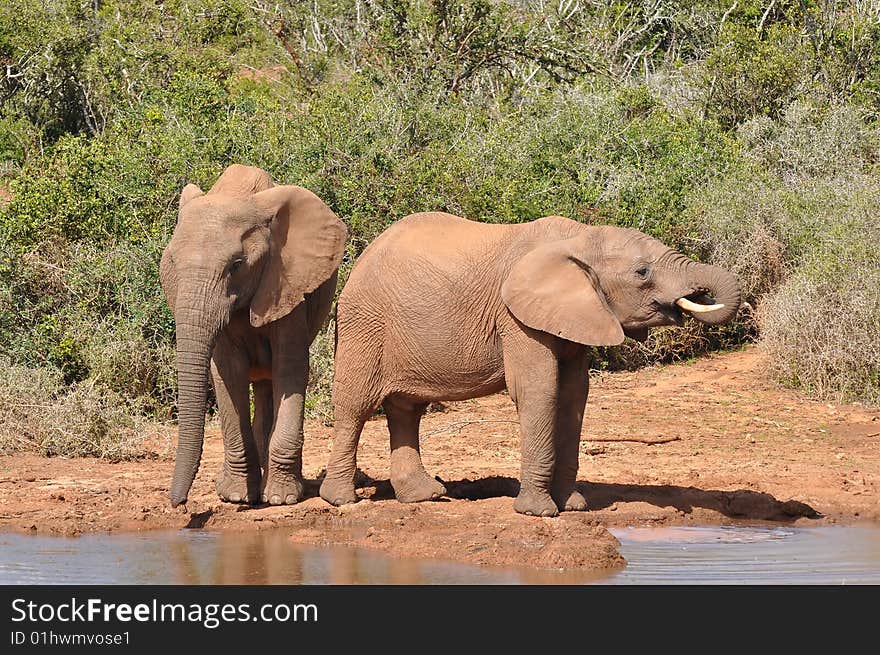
39	413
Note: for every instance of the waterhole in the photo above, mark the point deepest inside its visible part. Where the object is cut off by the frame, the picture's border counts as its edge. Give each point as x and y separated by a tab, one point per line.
668	555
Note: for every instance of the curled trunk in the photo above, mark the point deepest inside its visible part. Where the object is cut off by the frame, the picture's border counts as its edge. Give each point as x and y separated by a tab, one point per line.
714	285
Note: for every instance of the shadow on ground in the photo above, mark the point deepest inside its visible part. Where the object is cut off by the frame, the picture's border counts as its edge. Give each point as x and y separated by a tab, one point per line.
741	503
199	520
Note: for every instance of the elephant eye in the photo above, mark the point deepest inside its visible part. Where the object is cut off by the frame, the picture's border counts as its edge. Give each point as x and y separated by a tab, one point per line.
235	265
643	272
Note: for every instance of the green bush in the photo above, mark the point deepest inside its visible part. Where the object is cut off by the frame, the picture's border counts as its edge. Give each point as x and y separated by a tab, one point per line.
750	74
741	133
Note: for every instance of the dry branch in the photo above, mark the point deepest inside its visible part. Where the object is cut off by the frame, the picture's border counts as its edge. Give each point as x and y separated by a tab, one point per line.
645	440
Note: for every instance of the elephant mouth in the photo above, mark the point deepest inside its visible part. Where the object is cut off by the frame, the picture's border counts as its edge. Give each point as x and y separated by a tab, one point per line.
670	313
674	312
694	303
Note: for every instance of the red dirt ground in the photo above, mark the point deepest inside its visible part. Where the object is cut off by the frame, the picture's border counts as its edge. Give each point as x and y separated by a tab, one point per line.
742	449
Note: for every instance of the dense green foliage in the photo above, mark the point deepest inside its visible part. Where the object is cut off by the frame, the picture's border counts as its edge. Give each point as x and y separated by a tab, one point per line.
744	133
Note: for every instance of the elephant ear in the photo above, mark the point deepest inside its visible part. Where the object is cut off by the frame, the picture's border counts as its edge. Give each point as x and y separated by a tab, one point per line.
551	289
168	278
190	191
306	244
167	271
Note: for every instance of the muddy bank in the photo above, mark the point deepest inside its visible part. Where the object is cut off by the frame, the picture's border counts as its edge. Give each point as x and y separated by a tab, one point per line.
703	443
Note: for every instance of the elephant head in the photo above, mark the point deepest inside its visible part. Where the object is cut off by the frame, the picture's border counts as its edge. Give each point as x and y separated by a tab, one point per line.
605	283
245	245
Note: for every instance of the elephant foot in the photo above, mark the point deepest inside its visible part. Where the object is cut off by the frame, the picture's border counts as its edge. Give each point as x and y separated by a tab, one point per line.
282	489
237	488
417	487
533	502
338	492
573	502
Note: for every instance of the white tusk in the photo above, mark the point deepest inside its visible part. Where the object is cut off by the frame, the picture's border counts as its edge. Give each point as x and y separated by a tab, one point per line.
695	308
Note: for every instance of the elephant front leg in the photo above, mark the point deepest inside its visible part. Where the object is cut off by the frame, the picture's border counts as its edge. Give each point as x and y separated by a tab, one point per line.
531	372
239	479
284	482
290	370
574	384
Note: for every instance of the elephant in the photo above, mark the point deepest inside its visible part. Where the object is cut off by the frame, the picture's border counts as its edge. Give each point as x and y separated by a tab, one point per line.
442	308
250	275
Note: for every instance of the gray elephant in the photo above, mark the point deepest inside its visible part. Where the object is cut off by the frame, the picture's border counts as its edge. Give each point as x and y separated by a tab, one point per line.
442	308
249	274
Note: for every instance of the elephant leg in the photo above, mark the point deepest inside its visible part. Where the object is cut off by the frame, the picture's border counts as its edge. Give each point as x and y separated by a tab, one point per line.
337	487
284	484
355	398
239	479
574	384
290	373
411	482
532	375
263	419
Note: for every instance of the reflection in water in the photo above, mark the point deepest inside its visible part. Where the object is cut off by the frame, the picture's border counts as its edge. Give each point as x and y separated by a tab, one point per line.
208	557
726	555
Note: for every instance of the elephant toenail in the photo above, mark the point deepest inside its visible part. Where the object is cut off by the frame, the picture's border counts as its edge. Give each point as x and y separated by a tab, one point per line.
235	497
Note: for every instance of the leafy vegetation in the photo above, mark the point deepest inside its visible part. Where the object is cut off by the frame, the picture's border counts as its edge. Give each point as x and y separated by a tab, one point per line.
744	133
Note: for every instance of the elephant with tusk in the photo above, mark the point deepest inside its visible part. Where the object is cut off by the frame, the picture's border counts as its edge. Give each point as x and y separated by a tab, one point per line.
442	308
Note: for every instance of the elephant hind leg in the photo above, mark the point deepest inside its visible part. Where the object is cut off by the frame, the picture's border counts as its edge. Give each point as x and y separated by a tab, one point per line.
351	411
574	385
411	482
338	485
355	398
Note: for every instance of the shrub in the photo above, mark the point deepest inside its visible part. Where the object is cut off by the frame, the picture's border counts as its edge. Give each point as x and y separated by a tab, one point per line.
799	224
669	345
319	391
749	74
38	412
821	329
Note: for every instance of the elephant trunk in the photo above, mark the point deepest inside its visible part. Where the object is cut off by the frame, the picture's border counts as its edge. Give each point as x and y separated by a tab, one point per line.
195	341
723	291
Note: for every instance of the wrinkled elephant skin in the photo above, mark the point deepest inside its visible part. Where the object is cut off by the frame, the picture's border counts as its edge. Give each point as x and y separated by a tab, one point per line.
249	274
442	308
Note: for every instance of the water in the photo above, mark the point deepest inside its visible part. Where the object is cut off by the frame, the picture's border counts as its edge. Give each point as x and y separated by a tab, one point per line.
743	555
702	555
208	557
